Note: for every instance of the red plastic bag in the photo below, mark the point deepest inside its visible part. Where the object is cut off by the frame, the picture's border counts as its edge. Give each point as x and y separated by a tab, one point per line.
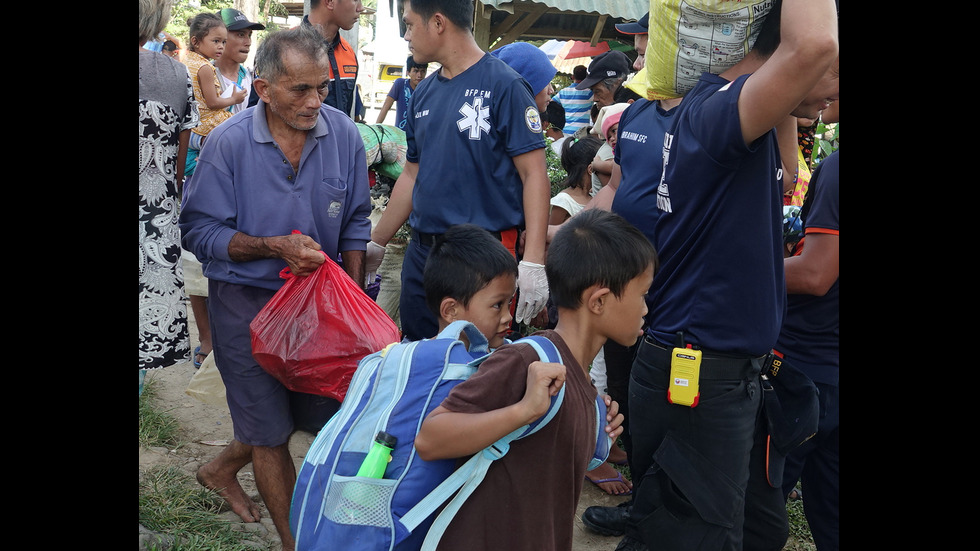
316	328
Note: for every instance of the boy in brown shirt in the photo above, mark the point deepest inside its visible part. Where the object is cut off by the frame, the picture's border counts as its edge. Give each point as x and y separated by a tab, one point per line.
599	269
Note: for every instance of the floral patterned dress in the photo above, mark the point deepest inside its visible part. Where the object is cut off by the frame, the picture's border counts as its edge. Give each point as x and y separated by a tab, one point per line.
166	108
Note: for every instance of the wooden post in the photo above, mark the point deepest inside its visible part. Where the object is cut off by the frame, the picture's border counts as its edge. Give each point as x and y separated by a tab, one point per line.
531	15
481	24
597	32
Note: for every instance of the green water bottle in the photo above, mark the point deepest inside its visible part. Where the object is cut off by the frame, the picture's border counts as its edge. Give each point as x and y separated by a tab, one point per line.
378	457
360	499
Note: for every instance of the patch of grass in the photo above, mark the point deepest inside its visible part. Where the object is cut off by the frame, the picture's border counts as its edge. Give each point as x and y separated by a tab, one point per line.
172	503
157	428
800	538
625	471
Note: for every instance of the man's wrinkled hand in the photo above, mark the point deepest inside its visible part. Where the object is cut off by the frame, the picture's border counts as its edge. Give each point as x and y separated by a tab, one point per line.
301	253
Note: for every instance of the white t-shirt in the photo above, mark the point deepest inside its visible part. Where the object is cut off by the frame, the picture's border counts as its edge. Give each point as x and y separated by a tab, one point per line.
567	203
556	145
227	86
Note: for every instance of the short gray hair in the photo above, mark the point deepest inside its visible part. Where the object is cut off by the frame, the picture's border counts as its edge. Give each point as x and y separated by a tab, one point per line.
304	39
154	15
612	83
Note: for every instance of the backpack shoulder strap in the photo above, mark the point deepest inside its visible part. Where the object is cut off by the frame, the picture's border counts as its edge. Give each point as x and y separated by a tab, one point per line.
602	441
468	476
477	341
547	352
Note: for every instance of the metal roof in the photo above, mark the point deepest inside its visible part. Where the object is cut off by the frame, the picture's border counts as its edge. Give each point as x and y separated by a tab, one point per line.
588	20
593	22
623	9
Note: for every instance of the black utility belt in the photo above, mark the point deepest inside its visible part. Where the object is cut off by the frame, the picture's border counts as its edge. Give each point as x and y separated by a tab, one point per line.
429	239
714	366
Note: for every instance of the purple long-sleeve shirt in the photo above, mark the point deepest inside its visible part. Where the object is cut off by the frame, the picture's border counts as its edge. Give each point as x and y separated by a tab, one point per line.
243	183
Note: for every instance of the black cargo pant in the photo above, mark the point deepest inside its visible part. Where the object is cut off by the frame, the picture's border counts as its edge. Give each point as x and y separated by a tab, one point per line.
691	465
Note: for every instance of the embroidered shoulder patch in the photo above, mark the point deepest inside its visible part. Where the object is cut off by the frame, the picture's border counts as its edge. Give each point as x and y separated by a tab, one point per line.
533	119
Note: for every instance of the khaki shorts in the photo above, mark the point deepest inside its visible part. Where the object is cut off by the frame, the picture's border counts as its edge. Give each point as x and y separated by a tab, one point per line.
195	284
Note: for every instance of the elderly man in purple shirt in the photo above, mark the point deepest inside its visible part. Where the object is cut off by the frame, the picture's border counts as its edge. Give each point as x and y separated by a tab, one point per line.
289	164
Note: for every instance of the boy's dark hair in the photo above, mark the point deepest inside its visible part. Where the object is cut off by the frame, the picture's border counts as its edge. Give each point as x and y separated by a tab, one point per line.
576	155
556	114
462	261
580	72
458	12
595	247
410	64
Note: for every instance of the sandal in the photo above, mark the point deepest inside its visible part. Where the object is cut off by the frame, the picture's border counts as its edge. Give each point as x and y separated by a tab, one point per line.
197	352
618	478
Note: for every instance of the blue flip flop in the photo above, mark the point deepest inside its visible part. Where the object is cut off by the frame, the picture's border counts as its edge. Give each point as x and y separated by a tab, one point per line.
617	478
197	352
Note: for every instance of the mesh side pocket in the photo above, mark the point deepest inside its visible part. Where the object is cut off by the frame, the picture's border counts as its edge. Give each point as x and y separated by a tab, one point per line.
360	501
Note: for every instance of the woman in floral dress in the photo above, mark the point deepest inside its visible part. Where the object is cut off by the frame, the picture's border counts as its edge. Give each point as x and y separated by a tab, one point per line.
167	112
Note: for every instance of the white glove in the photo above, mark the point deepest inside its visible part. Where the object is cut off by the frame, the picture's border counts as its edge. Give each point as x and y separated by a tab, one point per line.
372	261
533	283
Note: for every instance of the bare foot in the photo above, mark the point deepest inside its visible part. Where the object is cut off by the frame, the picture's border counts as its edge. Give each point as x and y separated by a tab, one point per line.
231	491
609	480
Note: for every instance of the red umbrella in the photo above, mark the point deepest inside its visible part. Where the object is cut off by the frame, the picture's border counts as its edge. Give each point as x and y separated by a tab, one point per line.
585	49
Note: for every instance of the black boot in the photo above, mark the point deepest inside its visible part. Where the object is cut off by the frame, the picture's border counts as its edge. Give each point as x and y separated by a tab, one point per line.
631	544
608	521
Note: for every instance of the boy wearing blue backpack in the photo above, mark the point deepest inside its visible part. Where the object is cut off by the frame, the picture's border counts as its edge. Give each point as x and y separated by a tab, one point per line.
599	269
471	276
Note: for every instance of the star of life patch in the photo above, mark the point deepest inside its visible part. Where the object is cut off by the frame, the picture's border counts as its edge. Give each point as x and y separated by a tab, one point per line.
476	119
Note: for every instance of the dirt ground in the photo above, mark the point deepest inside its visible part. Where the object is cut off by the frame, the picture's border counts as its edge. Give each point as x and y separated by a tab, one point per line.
206	428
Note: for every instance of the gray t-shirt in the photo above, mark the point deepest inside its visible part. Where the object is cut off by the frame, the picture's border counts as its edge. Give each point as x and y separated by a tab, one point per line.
164	79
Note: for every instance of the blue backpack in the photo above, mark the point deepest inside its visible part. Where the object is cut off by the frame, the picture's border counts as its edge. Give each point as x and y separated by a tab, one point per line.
393	391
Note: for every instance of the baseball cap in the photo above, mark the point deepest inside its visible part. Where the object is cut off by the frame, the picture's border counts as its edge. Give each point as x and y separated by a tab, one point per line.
637	27
236	21
606	65
792	410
